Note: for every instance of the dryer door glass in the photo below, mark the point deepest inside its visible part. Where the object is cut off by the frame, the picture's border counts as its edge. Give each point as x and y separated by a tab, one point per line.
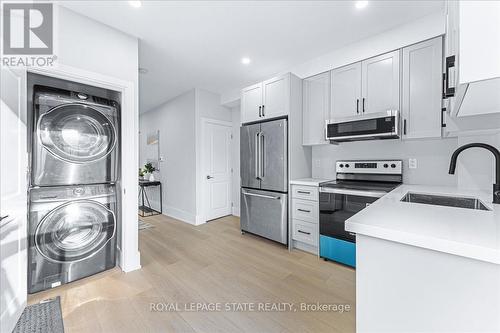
76	133
75	231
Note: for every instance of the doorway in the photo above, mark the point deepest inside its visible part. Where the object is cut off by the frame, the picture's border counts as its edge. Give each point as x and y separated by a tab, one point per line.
216	168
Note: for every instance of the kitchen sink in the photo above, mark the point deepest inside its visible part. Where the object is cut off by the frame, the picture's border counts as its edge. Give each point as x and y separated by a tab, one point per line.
441	200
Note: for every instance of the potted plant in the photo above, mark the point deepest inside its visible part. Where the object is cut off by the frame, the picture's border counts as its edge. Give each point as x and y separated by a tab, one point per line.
149	168
141	174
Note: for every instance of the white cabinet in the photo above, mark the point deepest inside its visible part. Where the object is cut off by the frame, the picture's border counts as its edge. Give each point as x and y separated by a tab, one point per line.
251	103
305	218
265	100
372	85
346	91
316	108
421	84
380	83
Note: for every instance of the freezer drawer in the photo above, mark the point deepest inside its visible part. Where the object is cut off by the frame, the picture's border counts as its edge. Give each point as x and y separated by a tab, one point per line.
265	214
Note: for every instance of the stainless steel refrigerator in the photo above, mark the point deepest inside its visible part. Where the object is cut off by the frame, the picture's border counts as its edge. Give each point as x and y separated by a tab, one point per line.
264	179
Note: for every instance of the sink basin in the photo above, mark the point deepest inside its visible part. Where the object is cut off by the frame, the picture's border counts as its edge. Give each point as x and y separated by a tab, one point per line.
441	200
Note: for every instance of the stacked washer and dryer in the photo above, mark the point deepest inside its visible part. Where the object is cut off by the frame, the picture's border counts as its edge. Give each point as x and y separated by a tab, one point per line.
74	157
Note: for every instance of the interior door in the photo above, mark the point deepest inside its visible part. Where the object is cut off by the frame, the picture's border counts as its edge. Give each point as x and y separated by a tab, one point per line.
13	205
380	83
217	164
276	96
249	158
346	91
273	149
251	103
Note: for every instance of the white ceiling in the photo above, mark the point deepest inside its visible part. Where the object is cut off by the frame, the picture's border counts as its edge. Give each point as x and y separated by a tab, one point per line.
186	44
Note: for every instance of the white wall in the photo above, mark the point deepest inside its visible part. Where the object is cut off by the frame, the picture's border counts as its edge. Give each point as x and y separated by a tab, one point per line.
236	119
175	120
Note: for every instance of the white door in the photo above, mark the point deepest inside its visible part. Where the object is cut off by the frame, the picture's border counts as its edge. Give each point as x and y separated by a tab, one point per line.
217	168
421	98
13	205
251	103
346	91
380	83
276	96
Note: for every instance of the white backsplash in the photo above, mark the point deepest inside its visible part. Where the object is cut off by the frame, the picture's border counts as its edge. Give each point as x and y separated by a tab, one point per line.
433	158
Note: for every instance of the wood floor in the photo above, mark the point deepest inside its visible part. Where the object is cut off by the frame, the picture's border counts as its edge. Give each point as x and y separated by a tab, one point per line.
211	263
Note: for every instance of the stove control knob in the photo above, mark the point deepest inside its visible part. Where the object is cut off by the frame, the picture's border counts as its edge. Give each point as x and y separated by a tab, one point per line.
347	165
341	165
386	165
393	165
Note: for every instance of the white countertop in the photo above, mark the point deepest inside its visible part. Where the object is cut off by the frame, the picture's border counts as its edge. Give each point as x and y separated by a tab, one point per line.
459	231
309	181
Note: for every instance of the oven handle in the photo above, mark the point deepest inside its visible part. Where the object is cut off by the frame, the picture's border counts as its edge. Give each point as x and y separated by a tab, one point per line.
373	194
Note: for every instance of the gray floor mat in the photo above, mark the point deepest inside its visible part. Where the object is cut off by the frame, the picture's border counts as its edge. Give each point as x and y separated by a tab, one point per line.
44	317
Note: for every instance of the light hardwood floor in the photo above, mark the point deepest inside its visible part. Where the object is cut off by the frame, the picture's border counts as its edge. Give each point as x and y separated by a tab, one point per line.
211	263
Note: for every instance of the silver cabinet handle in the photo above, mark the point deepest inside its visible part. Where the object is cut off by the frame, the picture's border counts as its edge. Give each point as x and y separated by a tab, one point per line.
4	217
303	210
261	196
304	232
303	192
4	221
209	177
263	114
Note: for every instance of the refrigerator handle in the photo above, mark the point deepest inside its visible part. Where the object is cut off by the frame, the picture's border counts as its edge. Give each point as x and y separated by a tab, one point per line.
261	196
261	147
257	155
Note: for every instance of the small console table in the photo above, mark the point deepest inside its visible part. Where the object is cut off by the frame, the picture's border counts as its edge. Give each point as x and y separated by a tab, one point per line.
145	208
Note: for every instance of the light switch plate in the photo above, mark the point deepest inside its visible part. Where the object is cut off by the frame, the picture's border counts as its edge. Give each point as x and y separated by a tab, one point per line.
412	163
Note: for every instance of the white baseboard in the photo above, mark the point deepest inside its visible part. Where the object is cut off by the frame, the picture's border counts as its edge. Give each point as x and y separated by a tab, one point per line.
181	215
236	211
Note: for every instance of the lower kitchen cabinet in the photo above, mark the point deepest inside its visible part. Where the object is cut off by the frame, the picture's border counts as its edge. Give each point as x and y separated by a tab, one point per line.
305	218
422	97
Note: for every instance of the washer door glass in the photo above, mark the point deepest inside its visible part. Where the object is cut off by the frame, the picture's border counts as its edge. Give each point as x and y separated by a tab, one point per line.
75	231
76	133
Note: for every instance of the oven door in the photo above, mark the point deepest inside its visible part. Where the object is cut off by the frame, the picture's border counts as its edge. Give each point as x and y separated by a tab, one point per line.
336	206
383	125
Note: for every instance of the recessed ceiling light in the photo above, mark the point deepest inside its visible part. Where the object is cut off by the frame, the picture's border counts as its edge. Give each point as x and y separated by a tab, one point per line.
135	4
245	60
361	4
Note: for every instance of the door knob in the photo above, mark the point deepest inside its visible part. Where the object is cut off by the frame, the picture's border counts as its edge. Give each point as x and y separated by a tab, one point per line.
209	177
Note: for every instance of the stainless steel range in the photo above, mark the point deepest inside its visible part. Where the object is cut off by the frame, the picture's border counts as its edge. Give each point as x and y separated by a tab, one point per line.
358	184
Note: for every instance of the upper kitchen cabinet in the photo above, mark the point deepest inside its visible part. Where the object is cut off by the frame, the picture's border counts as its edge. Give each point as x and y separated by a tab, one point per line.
380	83
315	108
472	73
346	91
368	86
421	84
266	100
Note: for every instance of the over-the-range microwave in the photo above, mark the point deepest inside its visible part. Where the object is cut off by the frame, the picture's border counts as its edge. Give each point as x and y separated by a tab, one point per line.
371	126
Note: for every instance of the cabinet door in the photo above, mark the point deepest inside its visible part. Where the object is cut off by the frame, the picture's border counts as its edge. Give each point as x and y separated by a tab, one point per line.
315	108
276	96
380	83
251	101
346	91
421	98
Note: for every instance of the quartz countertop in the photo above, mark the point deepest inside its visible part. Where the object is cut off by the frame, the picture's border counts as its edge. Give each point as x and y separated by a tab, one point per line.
459	231
309	181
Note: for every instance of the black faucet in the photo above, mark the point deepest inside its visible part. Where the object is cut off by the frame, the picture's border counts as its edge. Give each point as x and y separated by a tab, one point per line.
496	186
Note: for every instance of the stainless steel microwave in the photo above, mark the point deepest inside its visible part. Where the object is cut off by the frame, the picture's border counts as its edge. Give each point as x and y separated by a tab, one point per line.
372	126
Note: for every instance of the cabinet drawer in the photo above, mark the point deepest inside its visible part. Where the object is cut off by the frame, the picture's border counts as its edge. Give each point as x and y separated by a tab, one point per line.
305	210
305	232
305	192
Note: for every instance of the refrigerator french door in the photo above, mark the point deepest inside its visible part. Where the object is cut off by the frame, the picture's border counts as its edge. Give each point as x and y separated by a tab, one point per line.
264	179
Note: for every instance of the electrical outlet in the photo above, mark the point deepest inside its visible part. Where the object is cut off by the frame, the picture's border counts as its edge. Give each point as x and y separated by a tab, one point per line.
412	163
